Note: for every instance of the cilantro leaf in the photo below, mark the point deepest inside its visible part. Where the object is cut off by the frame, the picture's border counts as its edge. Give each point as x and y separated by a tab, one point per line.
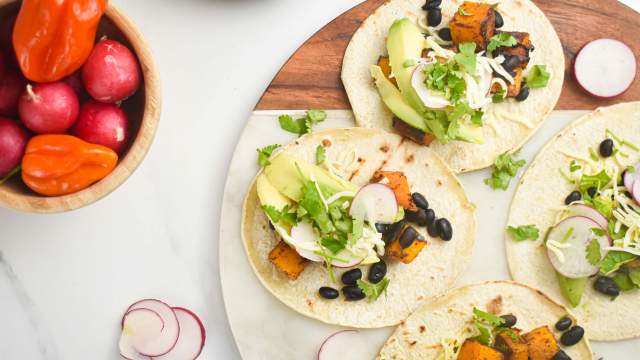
467	57
485	323
320	154
505	168
265	153
373	291
312	202
334	245
538	77
462	12
499	40
314	117
593	252
484	337
298	126
276	216
499	96
524	232
487	318
598	181
614	260
634	276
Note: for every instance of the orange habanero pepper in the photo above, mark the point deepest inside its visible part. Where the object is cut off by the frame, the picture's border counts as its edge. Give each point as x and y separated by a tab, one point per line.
53	38
56	165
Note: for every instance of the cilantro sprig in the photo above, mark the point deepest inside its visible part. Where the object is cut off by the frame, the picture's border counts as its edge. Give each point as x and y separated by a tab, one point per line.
502	39
505	168
265	153
467	57
538	77
487	324
373	291
524	232
304	124
321	154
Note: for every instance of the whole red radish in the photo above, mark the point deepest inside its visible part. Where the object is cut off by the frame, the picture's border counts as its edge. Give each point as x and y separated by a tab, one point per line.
11	86
111	73
13	140
102	124
49	108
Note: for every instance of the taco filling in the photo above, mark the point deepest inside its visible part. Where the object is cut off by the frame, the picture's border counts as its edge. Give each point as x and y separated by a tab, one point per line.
439	79
596	236
321	217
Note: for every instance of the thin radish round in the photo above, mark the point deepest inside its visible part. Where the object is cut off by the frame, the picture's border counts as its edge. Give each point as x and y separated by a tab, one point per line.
350	260
305	238
591	213
630	178
429	98
605	68
636	191
343	345
192	337
140	327
375	203
166	339
570	239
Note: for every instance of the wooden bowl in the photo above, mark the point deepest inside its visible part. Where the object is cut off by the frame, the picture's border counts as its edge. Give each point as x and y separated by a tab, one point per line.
143	110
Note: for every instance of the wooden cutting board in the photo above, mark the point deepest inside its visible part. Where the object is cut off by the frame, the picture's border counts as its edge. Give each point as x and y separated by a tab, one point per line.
311	77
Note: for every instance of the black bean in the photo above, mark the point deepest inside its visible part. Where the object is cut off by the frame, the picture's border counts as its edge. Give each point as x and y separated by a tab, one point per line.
573	197
377	272
523	94
420	200
408	237
434	17
393	232
509	320
445	34
511	62
592	191
561	355
382	228
432	229
564	323
417	217
606	286
606	148
444	229
572	336
499	20
353	293
431	4
352	276
328	292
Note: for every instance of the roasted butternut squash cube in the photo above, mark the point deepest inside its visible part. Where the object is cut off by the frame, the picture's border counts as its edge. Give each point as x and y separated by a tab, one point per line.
514	89
542	343
397	181
473	22
412	133
406	255
385	66
520	50
287	260
512	345
473	350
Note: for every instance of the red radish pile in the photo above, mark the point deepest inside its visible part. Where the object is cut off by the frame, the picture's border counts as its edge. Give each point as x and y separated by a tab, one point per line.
151	329
85	104
605	68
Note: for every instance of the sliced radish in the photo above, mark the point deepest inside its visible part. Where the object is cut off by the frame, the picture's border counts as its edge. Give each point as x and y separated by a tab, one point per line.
192	337
350	260
605	68
140	326
630	178
591	213
304	238
163	341
430	99
578	233
375	203
337	345
636	191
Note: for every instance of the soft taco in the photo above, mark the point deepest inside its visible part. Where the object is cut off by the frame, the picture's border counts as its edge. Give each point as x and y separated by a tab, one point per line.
574	224
361	235
472	80
497	320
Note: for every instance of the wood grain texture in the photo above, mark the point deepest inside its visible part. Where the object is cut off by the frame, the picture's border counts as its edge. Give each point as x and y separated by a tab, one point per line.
143	111
311	77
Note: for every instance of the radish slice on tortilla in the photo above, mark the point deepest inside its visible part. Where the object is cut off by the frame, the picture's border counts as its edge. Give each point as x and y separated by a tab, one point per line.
140	329
338	345
304	239
591	213
429	98
605	68
375	203
630	178
192	337
567	246
636	191
350	260
163	341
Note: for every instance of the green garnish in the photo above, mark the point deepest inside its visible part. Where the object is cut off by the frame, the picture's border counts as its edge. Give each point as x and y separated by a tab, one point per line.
524	232
593	252
622	141
312	202
505	168
567	235
574	166
467	57
485	323
634	276
538	77
614	260
499	40
498	96
462	12
495	6
276	216
321	153
373	291
593	154
623	281
598	232
11	174
302	125
599	181
265	153
334	245
445	79
409	63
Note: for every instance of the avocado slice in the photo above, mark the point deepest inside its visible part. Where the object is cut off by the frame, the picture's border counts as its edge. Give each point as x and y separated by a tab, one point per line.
470	133
288	175
572	289
269	195
405	42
